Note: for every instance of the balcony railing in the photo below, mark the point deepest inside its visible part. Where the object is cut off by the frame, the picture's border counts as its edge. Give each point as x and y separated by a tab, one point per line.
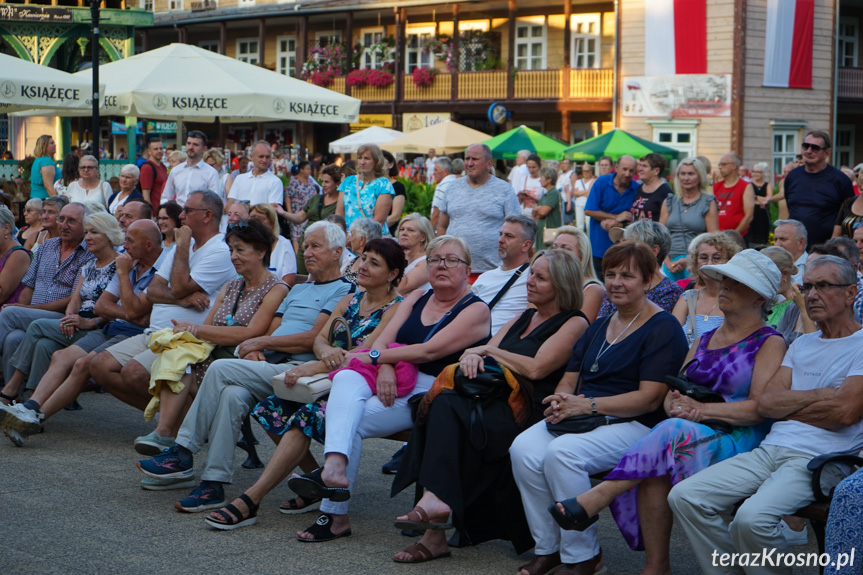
538	84
482	85
338	85
591	84
441	88
375	94
850	84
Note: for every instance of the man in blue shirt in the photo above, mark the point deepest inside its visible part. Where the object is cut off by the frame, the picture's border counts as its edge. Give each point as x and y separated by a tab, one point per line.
609	205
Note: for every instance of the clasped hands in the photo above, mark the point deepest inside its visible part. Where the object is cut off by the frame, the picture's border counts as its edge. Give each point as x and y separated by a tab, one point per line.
685	407
562	405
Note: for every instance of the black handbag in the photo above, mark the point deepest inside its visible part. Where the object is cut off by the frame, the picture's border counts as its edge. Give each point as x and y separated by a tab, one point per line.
489	385
682	384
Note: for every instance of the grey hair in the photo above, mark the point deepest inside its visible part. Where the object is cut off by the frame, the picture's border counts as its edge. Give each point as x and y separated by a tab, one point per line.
734	158
444	162
88	157
848	247
548	172
523	153
132	170
106	224
440	241
798	226
212	201
651	233
528	226
94	207
335	235
486	150
34	203
423	225
763	166
58	202
7	218
457	166
367	227
847	273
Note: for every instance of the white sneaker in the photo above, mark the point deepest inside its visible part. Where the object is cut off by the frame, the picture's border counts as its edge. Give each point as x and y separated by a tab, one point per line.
793	538
19	418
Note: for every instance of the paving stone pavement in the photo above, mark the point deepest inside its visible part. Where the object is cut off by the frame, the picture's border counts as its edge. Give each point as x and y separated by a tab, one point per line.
71	503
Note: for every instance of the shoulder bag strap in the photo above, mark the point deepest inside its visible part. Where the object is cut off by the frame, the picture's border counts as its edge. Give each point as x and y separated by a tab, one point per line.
359	199
691	302
508	284
454	308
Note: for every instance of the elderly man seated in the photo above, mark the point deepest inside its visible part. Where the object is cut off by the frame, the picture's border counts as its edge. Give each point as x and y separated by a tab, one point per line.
816	398
48	284
232	387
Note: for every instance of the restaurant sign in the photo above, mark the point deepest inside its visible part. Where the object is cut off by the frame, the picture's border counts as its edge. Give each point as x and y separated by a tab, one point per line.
35	13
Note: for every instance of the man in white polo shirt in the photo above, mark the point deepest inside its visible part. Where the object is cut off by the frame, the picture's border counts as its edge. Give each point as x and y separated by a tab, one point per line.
260	185
191	175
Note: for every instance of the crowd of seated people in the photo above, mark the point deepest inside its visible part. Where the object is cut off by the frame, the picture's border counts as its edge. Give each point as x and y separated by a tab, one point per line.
515	388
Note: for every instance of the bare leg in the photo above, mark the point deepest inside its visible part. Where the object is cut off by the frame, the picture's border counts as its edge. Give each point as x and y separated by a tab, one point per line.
434	541
653	503
14	383
601	496
70	388
62	362
335	470
173	406
127	383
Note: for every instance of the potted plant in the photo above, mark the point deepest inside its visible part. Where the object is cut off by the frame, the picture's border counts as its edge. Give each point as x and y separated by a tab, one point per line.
423	77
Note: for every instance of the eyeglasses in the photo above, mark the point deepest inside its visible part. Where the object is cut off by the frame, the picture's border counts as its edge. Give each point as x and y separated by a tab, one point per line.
187	209
241	225
813	147
821	287
716	258
87	167
449	261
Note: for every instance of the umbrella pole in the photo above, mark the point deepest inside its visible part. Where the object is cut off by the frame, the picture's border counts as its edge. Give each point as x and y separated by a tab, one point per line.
179	132
94	16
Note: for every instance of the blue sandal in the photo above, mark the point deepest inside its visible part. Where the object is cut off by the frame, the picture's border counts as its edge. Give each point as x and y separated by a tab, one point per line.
310	486
231	516
575	517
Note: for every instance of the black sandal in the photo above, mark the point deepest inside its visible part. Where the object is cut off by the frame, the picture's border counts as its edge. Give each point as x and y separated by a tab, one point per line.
291	507
310	486
321	531
8	398
231	516
575	517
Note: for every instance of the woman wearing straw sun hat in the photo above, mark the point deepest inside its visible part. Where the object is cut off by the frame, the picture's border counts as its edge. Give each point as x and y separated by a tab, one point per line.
736	360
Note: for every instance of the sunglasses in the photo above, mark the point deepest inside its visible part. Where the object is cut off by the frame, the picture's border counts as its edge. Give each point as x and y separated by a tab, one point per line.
241	225
813	147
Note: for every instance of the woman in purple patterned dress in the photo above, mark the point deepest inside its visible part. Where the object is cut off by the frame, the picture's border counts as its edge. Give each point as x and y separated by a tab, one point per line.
735	360
299	191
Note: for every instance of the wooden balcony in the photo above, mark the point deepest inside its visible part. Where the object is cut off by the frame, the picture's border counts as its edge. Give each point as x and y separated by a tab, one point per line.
850	84
375	94
482	85
591	84
338	85
441	88
538	84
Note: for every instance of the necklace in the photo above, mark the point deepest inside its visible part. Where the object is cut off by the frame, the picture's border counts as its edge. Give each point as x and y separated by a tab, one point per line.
603	348
707	315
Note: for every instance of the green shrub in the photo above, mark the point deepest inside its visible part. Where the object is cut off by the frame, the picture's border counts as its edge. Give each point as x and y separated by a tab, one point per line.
418	197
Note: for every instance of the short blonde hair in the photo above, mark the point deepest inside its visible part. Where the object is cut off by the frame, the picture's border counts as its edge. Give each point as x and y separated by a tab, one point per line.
178	156
782	258
377	155
585	251
720	241
440	241
703	184
566	277
268	211
216	155
41	147
106	224
423	225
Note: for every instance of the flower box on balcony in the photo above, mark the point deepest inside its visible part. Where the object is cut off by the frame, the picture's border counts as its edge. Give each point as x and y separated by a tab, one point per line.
372	78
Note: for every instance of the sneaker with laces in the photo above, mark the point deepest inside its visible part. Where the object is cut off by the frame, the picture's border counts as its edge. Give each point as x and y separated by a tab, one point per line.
19	418
153	443
207	495
168	465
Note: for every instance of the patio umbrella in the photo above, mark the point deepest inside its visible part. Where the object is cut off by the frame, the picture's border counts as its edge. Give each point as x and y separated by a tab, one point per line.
372	135
183	82
25	85
616	143
447	137
508	144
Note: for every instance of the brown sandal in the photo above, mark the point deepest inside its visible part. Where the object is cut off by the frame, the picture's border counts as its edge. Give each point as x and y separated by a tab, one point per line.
418	518
420	554
542	564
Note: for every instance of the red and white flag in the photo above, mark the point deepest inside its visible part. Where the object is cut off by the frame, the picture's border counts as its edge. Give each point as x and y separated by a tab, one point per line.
675	37
788	43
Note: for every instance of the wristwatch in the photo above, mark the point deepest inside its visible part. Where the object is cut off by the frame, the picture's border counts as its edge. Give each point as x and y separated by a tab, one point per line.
374	354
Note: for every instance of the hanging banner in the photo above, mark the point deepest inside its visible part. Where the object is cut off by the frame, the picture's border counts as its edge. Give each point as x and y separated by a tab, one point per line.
418	121
677	96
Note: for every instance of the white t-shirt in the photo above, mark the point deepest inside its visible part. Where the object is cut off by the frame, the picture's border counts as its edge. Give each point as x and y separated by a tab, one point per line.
518	176
440	190
801	267
564	182
100	194
810	370
411	265
264	189
513	302
430	170
283	258
210	267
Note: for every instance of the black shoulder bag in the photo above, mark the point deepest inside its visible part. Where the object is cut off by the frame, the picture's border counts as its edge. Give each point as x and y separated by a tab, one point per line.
508	284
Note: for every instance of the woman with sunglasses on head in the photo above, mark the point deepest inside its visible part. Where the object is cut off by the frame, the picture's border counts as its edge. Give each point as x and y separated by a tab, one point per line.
699	307
244	309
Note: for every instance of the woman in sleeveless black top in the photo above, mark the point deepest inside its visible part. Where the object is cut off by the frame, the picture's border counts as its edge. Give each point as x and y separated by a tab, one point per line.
474	481
759	229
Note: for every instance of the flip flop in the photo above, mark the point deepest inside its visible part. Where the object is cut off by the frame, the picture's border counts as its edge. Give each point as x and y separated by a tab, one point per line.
292	508
575	518
311	486
232	518
321	531
419	519
420	554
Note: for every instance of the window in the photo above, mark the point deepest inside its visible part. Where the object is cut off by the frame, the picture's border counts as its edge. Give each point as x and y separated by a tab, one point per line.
245	2
211	45
477	46
847	52
844	146
174	4
247	50
530	43
584	52
785	148
371	57
324	39
286	55
416	40
147	5
678	134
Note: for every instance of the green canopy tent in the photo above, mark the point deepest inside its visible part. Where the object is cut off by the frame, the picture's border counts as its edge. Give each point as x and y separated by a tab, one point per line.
615	144
507	145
